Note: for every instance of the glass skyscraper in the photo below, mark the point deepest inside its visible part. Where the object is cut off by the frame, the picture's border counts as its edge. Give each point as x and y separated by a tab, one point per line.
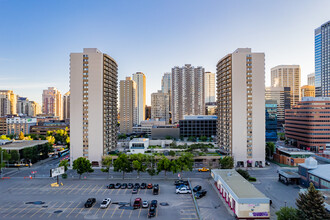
322	60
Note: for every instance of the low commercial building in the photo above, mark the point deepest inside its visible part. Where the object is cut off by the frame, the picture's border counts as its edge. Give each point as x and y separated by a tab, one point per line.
3	126
291	156
307	124
312	172
198	125
43	127
162	132
241	196
138	145
145	126
15	125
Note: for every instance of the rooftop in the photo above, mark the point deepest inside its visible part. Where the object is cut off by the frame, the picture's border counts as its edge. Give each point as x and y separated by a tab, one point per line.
322	171
200	117
140	140
19	145
241	189
295	151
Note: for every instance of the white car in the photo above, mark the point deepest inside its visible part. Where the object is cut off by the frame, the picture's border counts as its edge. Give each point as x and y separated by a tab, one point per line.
105	203
145	204
183	190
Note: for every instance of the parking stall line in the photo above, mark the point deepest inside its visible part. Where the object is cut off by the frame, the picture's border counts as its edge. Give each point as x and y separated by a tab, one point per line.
105	212
139	213
55	210
117	191
81	209
9	208
102	187
66	189
85	189
12	211
130	214
74	188
145	191
27	206
91	191
97	211
73	210
105	190
64	209
122	213
49	208
41	208
114	211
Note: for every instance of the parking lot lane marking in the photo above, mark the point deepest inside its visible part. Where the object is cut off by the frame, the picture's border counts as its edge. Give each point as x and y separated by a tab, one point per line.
12	211
79	212
188	218
114	211
65	209
66	189
105	190
130	213
37	212
73	210
91	191
145	191
139	213
111	191
105	212
97	211
122	213
86	189
74	189
102	187
156	213
49	208
10	207
21	210
55	210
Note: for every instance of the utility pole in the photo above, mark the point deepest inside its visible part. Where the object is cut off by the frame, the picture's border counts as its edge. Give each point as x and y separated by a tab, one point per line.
1	162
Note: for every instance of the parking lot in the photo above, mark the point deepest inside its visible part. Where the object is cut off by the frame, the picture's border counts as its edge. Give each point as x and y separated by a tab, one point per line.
67	201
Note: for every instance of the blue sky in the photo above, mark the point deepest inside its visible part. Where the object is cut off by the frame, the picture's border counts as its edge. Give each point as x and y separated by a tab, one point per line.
149	36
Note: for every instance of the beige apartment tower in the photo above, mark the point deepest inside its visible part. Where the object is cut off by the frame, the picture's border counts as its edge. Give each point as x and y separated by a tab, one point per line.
140	80
8	102
187	97
307	91
311	79
209	87
93	104
287	76
241	103
66	106
52	102
160	108
128	105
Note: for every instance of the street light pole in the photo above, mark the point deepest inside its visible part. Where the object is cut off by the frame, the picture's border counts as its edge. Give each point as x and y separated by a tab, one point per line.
1	162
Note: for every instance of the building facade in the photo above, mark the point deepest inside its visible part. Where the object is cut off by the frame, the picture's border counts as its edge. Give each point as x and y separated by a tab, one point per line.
3	125
128	105
93	104
160	108
287	76
271	120
43	127
322	60
307	124
209	87
28	108
311	79
283	97
198	126
187	97
8	103
241	102
211	108
140	80
66	106
52	102
307	91
15	125
166	83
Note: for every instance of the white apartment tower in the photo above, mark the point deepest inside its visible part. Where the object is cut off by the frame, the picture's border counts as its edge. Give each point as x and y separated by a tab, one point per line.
140	80
93	104
287	76
311	79
52	102
128	105
160	108
187	97
241	106
209	87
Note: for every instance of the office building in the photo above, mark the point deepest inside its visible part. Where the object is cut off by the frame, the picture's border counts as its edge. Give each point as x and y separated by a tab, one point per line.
312	172
209	87
271	120
160	108
52	102
140	80
311	79
210	108
283	97
26	107
93	104
306	124
241	102
66	106
322	60
198	126
187	97
166	83
291	156
287	76
307	91
148	112
16	125
8	103
128	105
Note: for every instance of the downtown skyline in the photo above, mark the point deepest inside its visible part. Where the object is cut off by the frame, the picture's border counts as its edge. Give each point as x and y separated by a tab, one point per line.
148	40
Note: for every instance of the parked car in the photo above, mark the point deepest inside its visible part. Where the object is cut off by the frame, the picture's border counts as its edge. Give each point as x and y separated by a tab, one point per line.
183	190
90	202
204	169
153	203
143	185
145	204
105	203
137	203
117	186
182	186
149	186
152	211
155	190
181	182
135	190
137	185
197	188
111	186
130	186
156	185
124	186
200	194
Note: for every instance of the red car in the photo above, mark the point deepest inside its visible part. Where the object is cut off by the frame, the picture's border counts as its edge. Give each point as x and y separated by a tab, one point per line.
149	186
137	203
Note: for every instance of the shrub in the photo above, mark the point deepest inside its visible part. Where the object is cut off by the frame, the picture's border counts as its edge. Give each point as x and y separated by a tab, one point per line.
244	174
252	179
64	175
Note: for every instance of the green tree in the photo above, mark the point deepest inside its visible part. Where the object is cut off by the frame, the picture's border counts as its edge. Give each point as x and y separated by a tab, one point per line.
171	153
151	171
311	205
183	163
270	148
139	162
5	157
203	138
122	164
106	162
244	173
65	164
167	137
191	138
226	162
164	164
287	213
4	137
82	165
14	156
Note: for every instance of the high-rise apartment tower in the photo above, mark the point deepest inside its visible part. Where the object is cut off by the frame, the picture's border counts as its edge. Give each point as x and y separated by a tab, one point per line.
140	80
